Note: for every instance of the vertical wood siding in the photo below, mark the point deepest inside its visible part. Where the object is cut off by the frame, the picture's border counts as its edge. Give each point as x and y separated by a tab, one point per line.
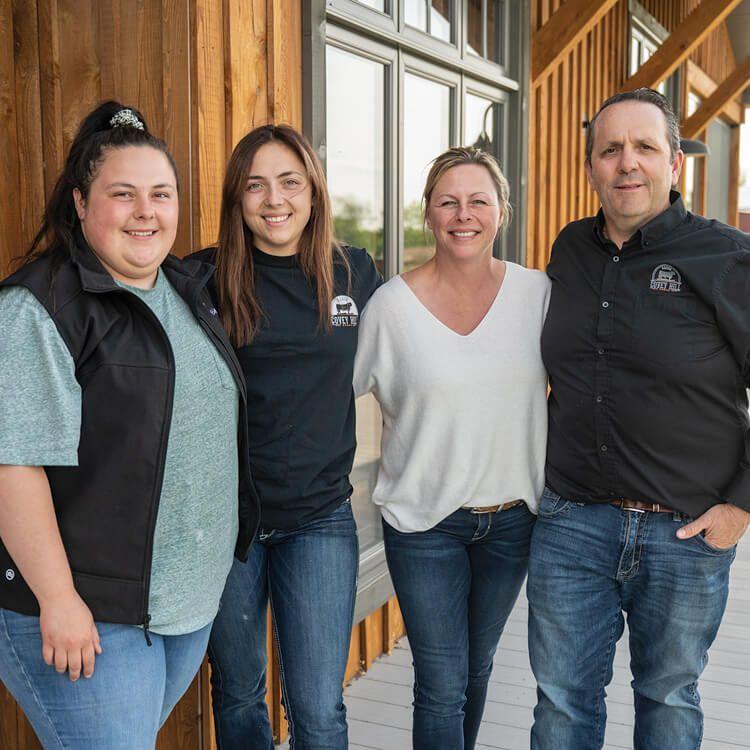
593	70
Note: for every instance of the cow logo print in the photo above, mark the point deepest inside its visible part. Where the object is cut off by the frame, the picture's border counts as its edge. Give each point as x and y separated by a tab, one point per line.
344	313
666	278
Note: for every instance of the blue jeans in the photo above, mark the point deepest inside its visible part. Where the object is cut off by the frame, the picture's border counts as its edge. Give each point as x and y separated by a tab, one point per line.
456	584
589	563
309	574
121	707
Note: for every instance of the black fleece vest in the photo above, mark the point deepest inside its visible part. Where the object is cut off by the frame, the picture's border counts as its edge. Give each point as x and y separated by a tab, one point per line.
107	505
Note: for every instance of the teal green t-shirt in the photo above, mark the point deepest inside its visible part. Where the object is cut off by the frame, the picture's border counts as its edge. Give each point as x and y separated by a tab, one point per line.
197	522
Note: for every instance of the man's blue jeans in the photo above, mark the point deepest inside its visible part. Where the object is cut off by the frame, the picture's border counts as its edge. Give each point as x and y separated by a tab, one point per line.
456	584
309	574
591	563
121	707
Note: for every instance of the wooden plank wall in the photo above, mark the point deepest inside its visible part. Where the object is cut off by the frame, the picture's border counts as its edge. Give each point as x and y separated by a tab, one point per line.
592	71
203	72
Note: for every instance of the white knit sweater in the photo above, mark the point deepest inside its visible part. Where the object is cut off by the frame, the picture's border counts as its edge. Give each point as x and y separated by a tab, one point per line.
464	417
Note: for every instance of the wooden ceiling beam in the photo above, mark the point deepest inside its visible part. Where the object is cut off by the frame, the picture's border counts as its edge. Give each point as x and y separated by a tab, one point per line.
732	85
695	27
567	26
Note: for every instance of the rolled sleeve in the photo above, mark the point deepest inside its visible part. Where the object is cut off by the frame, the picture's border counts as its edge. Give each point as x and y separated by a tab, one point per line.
40	398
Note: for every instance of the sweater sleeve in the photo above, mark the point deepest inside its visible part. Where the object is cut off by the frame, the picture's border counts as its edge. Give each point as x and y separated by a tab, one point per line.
374	351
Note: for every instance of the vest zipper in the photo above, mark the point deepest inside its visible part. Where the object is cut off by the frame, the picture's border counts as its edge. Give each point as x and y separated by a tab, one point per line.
146	622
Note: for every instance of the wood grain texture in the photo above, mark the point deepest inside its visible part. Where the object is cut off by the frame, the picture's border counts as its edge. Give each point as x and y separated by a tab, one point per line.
693	30
246	67
711	107
569	24
285	62
703	85
209	142
733	211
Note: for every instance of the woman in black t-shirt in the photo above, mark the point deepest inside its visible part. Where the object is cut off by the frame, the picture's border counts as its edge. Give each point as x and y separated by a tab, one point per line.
289	296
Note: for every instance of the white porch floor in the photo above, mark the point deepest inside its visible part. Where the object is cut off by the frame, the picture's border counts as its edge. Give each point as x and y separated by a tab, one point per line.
379	703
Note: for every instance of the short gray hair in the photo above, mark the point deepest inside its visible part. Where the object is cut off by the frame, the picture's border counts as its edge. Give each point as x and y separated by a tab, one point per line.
648	96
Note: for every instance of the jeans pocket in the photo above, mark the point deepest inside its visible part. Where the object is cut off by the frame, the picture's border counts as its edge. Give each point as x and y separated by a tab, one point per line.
706	545
553	505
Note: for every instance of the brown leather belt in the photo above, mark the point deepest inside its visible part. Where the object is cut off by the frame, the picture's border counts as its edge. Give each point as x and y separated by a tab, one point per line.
494	508
638	507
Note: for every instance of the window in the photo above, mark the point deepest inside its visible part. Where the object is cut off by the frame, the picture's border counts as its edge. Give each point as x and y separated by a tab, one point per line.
693	168
393	83
646	36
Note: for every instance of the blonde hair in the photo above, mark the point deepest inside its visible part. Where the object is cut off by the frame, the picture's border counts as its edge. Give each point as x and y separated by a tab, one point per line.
459	155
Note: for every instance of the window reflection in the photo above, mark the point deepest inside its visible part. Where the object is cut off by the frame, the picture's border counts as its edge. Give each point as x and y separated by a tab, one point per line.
415	14
365	471
475	43
426	135
440	19
355	122
495	31
377	4
479	123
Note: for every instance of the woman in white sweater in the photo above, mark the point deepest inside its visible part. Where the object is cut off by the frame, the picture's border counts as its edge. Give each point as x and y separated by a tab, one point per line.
451	352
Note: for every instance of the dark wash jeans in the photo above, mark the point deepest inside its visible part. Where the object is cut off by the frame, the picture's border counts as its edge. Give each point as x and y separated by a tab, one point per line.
591	563
309	574
456	584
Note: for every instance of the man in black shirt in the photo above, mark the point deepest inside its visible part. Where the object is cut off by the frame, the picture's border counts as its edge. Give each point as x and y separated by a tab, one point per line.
647	345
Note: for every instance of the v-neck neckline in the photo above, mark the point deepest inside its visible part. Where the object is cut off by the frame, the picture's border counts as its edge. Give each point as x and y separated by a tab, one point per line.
444	325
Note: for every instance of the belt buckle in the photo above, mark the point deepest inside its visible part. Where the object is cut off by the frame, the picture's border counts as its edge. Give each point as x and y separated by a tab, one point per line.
482	509
631	509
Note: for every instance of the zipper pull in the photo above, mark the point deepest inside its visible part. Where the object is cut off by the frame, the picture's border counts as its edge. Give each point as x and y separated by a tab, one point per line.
145	629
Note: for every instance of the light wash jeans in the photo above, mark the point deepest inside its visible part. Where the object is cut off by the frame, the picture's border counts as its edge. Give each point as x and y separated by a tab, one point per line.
121	707
309	574
588	565
456	584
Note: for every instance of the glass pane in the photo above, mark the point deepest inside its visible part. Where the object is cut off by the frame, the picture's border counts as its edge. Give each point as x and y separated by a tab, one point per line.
365	471
474	31
415	14
377	4
635	59
479	123
693	103
426	135
440	19
355	120
496	31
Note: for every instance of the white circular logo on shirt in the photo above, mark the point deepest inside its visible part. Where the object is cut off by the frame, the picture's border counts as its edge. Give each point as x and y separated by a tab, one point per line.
10	574
344	311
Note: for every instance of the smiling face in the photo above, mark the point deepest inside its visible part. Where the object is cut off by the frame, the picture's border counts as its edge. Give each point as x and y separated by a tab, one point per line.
464	212
277	201
631	168
129	217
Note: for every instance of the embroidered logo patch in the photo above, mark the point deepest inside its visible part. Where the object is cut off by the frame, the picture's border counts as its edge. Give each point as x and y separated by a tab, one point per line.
344	312
10	574
666	278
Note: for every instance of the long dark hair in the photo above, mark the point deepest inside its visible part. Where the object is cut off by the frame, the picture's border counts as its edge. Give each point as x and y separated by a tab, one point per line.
317	253
111	125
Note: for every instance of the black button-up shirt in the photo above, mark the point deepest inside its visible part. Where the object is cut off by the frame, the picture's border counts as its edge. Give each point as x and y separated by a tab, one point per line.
648	353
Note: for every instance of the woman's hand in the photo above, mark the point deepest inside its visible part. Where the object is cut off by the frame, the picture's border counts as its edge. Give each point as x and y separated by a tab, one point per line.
70	640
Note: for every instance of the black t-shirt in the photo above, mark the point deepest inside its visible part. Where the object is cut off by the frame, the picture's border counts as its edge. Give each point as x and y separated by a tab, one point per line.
648	353
300	402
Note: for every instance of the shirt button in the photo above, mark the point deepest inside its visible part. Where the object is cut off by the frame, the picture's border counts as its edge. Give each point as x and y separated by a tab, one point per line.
603	448
599	399
600	351
605	305
616	259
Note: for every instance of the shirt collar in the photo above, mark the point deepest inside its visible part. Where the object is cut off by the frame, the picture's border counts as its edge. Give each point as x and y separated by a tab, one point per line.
660	226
